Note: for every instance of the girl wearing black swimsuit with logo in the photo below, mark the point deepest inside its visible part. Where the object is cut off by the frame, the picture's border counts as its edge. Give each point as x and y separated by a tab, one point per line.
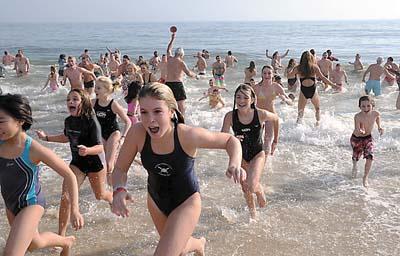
168	148
247	124
308	71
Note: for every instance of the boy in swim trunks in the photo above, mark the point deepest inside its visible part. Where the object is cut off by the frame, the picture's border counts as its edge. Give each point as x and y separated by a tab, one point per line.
361	139
375	73
218	71
337	77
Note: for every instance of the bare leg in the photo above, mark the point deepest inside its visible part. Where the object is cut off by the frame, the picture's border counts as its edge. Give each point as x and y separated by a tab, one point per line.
24	233
98	183
398	101
111	147
368	165
254	172
300	107
182	107
354	170
315	101
176	229
65	205
268	137
248	195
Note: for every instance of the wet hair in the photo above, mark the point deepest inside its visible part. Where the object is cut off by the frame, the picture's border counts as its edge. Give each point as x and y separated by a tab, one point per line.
262	71
216	57
291	63
312	51
133	91
126	57
179	52
62	56
277	78
18	55
246	90
5	53
390	59
338	65
252	66
305	67
107	83
86	50
229	53
366	98
86	108
162	92
328	51
52	70
155	53
275	54
17	107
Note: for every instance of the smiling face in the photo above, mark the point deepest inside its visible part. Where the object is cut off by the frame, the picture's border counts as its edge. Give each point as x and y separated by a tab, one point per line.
267	74
156	116
243	100
366	106
74	102
9	126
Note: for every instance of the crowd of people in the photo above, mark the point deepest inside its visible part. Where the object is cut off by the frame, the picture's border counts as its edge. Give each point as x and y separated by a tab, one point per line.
154	126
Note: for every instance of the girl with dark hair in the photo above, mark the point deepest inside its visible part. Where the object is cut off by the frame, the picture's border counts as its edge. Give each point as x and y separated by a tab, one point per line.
132	99
247	122
168	148
20	157
82	131
291	80
250	72
52	79
308	72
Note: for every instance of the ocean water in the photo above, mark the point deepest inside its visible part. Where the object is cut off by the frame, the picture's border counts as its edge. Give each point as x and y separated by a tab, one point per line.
314	208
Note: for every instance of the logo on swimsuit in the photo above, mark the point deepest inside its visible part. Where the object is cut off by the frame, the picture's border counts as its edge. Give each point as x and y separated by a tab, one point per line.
9	164
164	169
101	114
246	130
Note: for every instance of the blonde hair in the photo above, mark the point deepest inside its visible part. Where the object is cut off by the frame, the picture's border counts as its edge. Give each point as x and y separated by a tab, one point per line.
107	83
162	92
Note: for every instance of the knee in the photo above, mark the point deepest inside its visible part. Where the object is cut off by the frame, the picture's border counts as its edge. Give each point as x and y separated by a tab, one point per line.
252	186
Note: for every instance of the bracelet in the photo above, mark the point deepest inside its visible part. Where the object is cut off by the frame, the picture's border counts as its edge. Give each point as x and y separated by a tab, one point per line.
119	189
47	138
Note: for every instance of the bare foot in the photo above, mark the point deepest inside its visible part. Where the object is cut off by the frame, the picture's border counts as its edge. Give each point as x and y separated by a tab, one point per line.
262	202
365	182
201	252
253	213
69	241
317	124
299	120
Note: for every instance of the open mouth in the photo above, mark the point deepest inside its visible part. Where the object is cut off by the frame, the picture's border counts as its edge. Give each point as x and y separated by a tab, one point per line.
72	109
154	130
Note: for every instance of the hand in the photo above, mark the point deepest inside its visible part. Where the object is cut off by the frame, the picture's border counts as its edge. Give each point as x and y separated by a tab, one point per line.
41	134
273	147
77	221
83	150
119	203
238	174
380	130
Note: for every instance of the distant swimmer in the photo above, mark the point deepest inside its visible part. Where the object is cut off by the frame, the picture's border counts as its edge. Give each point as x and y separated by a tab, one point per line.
266	91
113	67
246	121
62	62
361	139
21	63
168	149
230	60
218	71
326	67
88	80
330	56
375	71
205	54
337	77
85	54
74	74
250	72
176	68
52	79
308	72
154	61
357	65
390	65
276	60
162	66
201	64
291	79
8	59
214	95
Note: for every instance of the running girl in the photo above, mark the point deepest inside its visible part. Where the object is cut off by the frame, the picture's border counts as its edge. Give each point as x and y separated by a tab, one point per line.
52	79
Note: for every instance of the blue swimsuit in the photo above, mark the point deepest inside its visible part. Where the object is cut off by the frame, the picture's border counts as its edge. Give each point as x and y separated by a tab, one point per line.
19	181
171	177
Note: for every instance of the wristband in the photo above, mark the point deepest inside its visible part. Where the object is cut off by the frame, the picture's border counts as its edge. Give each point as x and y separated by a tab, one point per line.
119	189
47	138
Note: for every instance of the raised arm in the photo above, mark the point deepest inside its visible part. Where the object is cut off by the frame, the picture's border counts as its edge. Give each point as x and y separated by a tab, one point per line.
286	53
171	42
281	93
266	54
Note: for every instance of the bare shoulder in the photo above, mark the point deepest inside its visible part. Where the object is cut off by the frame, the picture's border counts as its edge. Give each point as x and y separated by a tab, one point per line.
376	113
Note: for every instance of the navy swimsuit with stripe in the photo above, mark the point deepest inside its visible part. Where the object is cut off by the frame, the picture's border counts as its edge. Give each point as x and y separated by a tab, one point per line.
19	181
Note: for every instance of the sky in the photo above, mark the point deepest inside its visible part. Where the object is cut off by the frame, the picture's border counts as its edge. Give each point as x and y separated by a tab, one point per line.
189	10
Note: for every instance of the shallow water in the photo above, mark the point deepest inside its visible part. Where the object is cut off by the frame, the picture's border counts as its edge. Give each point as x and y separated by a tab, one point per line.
314	208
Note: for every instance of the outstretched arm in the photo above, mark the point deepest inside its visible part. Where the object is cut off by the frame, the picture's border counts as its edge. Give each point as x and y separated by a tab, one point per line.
286	53
169	48
266	54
